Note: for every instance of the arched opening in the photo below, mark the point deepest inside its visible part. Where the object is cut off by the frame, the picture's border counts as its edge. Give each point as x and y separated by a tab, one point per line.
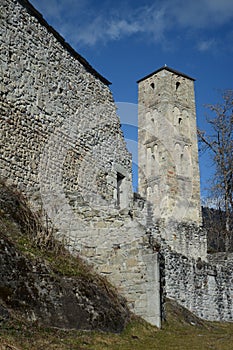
177	85
149	191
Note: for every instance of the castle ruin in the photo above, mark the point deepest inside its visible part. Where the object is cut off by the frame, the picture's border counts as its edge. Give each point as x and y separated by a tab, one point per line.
62	146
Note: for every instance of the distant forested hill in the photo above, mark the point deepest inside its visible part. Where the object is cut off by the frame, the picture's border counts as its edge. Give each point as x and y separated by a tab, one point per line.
218	238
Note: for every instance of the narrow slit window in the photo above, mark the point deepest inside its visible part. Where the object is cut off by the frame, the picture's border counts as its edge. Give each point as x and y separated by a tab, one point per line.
120	179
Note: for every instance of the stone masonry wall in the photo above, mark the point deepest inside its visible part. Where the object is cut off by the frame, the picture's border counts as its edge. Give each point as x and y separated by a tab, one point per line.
204	288
62	146
185	238
46	91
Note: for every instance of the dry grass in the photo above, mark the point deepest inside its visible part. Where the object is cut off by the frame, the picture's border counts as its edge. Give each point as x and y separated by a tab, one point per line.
177	333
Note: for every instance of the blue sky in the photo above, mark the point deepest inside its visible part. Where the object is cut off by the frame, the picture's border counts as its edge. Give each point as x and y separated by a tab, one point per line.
127	39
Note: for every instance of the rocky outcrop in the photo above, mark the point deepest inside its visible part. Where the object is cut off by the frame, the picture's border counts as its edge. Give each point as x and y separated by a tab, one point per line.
38	293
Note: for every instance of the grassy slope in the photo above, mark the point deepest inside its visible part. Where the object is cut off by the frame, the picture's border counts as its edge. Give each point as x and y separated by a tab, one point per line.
176	334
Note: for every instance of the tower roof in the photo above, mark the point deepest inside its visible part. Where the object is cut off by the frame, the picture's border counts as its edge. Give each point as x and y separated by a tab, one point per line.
169	70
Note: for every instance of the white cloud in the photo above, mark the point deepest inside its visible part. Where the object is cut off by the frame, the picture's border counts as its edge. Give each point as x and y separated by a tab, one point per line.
88	23
206	45
117	28
148	21
158	19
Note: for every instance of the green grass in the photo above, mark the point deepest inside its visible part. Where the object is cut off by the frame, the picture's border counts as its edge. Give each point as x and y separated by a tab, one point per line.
138	335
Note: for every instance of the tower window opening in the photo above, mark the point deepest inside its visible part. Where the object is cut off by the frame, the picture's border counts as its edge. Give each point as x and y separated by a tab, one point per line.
177	85
152	85
120	179
179	121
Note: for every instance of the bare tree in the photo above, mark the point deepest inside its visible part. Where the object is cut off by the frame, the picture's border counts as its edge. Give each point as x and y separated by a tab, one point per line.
220	144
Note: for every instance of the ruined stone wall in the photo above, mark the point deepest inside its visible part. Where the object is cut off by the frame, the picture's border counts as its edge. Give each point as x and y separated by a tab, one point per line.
169	180
185	238
204	288
49	96
62	146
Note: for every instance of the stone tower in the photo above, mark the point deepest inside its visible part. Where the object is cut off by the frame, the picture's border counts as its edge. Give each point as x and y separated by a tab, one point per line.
168	154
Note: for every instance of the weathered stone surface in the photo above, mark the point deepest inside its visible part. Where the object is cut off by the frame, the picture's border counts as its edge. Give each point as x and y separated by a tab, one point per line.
40	294
167	146
204	288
